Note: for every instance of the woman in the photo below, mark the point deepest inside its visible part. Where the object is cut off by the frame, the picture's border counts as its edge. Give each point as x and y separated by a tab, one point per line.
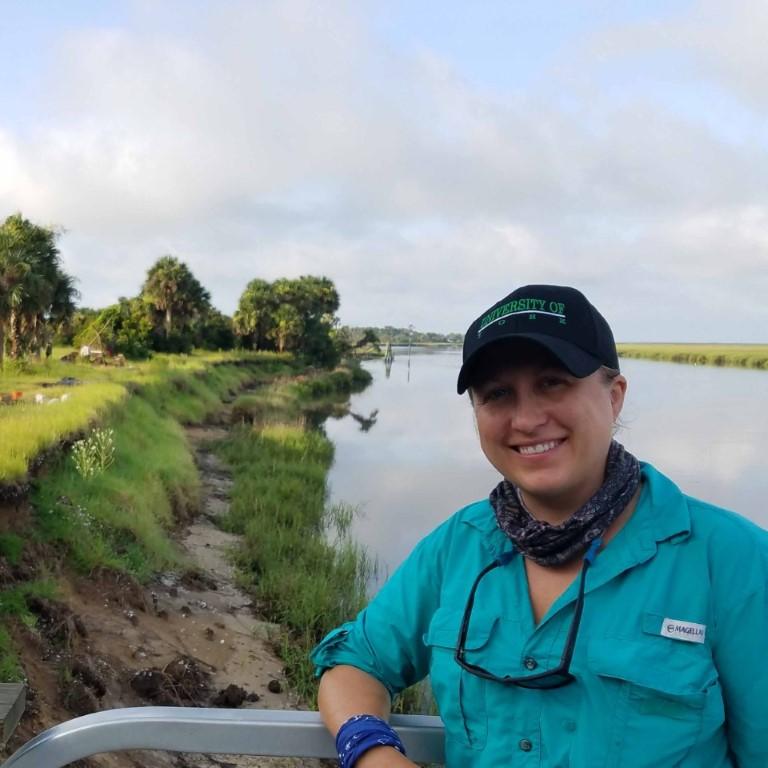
586	614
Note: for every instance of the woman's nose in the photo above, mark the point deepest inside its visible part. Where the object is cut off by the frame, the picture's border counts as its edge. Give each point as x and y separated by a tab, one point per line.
527	414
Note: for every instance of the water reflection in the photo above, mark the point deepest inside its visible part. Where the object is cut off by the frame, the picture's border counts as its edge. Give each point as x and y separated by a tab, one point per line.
704	427
389	358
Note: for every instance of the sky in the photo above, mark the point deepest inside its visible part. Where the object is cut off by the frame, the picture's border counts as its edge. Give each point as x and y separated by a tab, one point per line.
429	157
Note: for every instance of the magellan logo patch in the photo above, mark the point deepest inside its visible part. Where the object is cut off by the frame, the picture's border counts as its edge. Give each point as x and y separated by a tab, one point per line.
530	307
684	630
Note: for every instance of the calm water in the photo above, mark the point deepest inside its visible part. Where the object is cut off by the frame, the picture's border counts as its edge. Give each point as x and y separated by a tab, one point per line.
704	427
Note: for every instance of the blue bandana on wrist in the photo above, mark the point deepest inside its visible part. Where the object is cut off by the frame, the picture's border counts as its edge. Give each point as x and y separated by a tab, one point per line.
361	733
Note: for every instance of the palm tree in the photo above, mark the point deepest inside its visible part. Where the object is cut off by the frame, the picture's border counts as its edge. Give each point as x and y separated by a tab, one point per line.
13	271
60	310
173	290
34	290
253	318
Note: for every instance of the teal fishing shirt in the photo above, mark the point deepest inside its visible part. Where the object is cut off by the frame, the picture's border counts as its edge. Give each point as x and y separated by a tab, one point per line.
671	660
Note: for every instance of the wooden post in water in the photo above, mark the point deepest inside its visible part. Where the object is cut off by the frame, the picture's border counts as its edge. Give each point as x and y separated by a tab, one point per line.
410	335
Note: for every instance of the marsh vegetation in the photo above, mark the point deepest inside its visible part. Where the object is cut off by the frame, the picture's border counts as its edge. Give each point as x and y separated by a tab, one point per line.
297	559
734	355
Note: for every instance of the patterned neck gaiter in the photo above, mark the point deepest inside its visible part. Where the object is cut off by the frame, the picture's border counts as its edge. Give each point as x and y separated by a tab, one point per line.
555	544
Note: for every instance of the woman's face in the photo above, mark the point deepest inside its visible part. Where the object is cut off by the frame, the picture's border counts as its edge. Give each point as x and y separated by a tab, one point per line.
547	431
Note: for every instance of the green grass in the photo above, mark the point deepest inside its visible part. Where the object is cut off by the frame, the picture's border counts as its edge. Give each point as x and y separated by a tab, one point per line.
11	547
734	355
121	518
28	429
10	669
13	600
342	381
297	557
14	605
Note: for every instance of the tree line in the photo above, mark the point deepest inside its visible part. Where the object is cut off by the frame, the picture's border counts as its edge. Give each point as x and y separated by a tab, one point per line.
388	334
171	313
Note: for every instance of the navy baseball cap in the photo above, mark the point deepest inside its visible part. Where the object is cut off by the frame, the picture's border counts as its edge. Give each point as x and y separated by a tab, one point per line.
558	318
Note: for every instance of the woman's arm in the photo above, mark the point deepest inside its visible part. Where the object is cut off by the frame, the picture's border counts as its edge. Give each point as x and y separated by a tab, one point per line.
346	691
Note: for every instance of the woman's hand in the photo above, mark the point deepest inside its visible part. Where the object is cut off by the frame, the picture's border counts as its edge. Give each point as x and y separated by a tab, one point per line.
384	757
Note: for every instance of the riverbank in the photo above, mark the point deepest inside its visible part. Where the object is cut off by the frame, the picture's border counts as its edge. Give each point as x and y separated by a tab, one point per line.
297	558
83	608
731	355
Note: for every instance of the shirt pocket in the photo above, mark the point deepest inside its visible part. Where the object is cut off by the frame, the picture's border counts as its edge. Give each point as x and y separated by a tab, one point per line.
459	694
659	692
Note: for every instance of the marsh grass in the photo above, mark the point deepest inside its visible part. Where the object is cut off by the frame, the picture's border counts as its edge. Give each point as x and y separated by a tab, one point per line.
121	517
344	380
732	355
297	557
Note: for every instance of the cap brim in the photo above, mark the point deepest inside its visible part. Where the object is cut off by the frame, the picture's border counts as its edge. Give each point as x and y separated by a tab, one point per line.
574	359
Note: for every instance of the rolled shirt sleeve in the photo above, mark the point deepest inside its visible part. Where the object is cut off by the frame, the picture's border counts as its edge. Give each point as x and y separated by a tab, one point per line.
385	640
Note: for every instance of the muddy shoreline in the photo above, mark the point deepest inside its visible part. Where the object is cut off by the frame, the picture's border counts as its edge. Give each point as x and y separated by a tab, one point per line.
189	638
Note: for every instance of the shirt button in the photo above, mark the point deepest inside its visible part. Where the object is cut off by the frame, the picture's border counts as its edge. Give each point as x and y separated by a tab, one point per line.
569	725
526	745
530	663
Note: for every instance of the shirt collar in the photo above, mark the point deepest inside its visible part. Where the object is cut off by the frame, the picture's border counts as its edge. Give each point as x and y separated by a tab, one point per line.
664	506
661	514
482	517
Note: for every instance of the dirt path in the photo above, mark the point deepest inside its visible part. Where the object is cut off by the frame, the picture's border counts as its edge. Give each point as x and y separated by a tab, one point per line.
127	638
221	631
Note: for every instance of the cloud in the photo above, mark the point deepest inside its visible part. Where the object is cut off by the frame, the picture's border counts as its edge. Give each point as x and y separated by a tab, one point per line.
288	137
728	42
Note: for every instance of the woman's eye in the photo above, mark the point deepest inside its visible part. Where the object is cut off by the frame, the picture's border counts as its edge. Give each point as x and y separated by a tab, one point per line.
552	382
495	394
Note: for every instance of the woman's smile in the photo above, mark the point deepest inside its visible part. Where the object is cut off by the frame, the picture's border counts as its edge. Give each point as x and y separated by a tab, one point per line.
538	449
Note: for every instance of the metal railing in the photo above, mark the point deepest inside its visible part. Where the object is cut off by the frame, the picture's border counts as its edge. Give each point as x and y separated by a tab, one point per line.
258	732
